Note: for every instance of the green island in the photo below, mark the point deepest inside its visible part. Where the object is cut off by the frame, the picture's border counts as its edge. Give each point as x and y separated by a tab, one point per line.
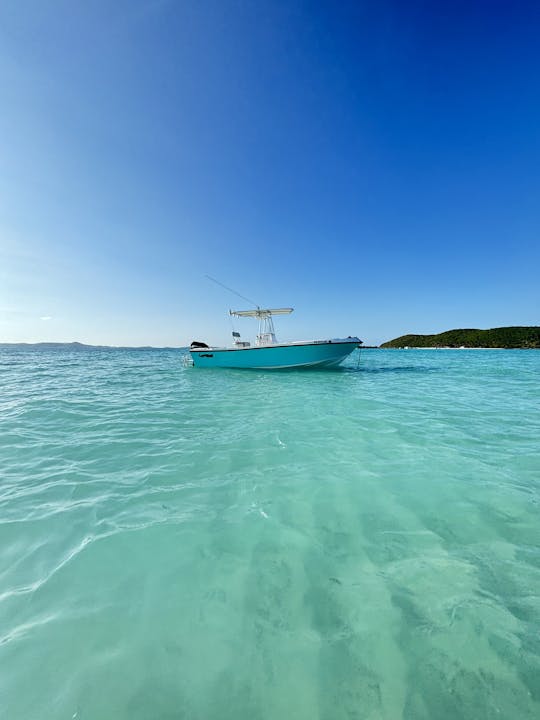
503	337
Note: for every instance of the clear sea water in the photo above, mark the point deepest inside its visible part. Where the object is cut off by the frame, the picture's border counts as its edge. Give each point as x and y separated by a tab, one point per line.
199	544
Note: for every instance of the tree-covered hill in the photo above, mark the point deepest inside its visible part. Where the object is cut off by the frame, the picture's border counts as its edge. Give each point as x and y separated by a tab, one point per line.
504	337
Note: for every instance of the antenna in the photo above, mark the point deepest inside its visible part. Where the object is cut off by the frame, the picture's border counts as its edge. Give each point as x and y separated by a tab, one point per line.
231	290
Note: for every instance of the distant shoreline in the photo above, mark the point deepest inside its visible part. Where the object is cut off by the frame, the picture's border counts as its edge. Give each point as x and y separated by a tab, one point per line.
446	347
515	337
85	346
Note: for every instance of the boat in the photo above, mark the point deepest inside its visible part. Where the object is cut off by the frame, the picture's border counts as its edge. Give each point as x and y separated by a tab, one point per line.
269	354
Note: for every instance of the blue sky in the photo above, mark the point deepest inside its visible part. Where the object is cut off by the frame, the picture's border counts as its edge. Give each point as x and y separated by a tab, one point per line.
375	165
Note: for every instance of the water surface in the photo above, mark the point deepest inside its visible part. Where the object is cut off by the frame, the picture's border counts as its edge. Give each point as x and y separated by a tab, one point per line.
200	544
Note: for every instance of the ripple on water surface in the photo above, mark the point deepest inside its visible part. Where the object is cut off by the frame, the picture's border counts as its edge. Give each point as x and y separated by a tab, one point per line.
178	543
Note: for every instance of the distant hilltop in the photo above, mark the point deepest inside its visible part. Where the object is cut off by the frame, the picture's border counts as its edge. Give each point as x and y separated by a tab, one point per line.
504	337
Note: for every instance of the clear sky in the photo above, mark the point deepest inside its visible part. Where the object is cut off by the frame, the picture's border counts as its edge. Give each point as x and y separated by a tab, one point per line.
375	165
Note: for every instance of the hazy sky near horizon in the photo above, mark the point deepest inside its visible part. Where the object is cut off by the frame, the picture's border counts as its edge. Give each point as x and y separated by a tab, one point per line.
375	165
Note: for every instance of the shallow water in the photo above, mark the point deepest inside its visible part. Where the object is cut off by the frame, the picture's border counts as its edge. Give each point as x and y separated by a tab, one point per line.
200	544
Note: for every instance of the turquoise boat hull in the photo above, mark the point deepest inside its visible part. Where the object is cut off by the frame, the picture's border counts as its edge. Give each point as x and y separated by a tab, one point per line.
324	353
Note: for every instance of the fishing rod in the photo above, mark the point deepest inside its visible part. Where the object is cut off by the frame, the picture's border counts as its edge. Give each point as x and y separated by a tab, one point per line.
231	290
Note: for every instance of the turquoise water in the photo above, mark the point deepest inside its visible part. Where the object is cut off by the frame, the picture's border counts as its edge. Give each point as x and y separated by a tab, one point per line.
200	544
